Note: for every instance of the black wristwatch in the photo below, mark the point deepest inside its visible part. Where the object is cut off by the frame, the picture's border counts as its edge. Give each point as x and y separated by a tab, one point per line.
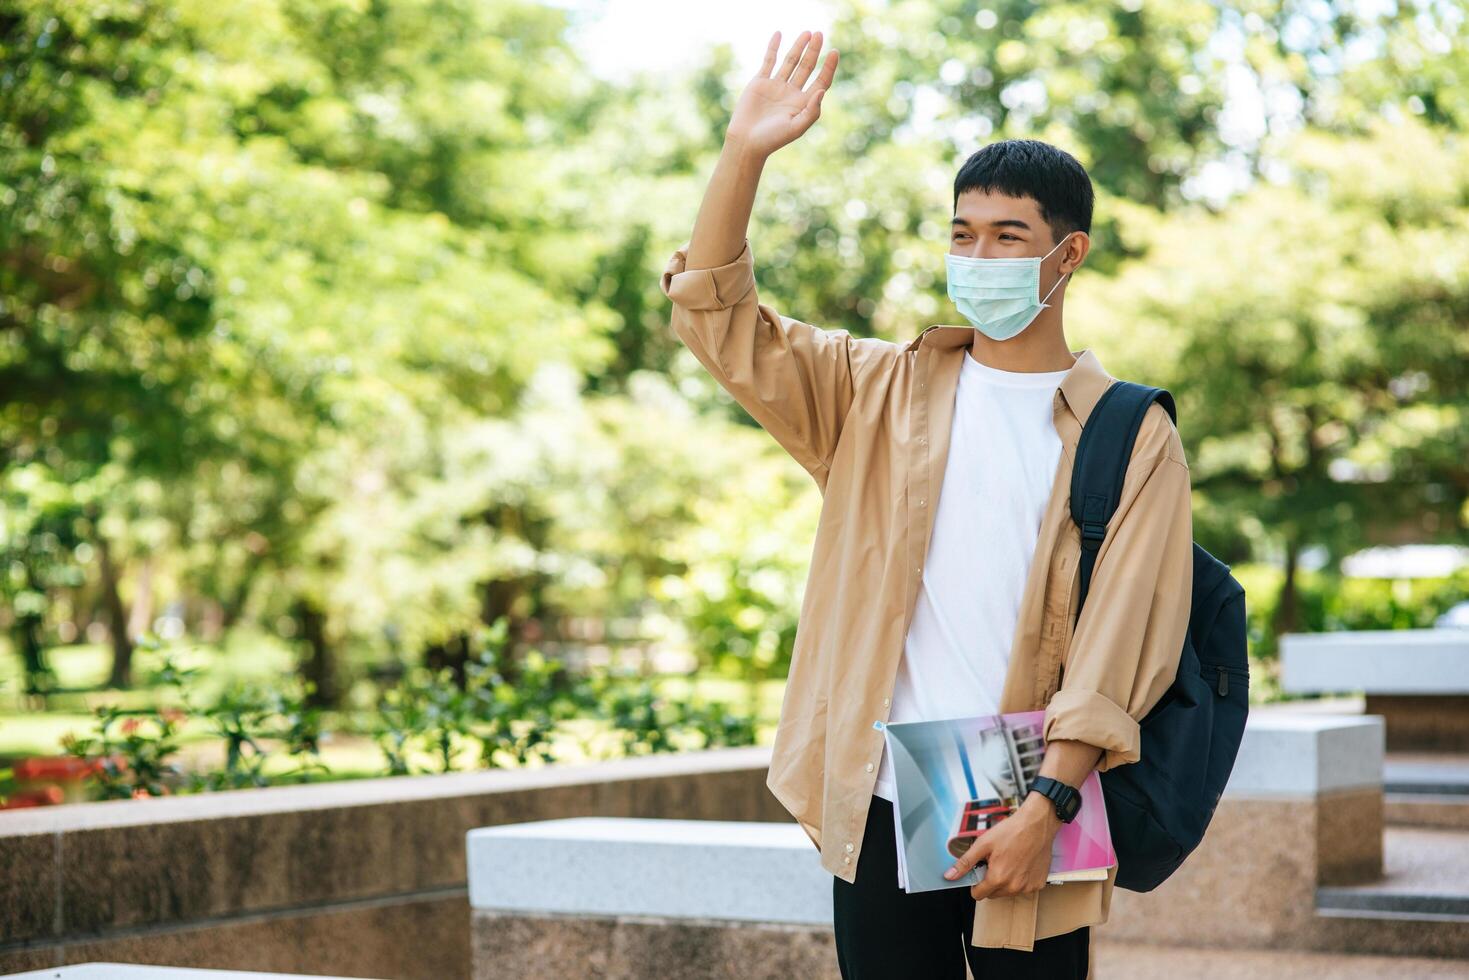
1067	798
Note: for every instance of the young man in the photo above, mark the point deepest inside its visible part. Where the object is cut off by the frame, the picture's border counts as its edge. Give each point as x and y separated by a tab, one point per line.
927	604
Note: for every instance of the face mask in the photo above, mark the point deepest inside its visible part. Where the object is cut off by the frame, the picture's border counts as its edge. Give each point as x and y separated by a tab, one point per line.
999	296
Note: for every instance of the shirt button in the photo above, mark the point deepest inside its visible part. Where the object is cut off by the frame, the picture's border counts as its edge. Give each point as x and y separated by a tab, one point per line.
851	846
869	767
921	501
847	860
884	702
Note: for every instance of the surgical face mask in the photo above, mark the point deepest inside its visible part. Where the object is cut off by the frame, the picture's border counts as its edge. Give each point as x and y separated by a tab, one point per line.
999	296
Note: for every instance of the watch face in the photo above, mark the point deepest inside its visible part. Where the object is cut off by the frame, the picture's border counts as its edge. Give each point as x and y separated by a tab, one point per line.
1059	792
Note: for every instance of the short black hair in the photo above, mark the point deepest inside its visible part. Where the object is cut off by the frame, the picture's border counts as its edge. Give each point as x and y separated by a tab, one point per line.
1053	178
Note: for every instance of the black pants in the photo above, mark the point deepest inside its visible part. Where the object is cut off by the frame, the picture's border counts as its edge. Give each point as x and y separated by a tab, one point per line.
883	932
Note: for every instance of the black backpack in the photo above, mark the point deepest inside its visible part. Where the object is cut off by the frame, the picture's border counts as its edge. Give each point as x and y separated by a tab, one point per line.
1159	806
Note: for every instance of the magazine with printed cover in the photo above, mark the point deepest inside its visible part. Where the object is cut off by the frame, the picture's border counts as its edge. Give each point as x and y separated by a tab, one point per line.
958	777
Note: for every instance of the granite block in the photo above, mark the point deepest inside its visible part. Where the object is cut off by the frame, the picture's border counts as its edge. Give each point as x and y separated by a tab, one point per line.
767	872
551	947
1438	722
1416	661
423	939
28	886
1286	755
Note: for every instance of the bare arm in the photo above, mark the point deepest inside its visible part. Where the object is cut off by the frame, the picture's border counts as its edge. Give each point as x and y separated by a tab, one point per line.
774	109
796	379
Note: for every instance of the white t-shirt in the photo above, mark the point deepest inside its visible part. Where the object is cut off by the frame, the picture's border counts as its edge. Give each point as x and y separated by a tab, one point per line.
1003	452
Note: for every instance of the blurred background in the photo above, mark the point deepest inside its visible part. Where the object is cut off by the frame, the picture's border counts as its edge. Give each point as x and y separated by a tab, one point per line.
342	432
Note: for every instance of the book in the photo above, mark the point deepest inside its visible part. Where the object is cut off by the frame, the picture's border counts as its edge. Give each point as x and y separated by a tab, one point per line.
959	777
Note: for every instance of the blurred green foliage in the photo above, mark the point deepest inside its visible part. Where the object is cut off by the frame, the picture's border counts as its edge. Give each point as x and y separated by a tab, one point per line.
340	322
423	715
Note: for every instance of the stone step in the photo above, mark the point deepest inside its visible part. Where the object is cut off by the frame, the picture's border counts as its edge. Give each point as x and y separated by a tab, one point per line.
1426	790
1425	774
1421	905
1446	810
1112	960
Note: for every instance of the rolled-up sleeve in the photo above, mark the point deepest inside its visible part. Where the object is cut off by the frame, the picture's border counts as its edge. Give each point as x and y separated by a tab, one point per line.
1129	637
793	378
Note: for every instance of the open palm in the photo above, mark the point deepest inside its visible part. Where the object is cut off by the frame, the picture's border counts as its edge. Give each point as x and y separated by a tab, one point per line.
776	107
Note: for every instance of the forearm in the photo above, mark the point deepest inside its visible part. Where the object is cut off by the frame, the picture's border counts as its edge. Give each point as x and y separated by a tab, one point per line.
723	221
1069	761
794	378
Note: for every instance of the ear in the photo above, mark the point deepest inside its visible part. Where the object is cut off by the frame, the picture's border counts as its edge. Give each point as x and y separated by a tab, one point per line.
1086	247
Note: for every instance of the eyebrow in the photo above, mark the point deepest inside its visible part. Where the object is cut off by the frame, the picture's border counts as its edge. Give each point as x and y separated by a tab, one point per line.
1000	223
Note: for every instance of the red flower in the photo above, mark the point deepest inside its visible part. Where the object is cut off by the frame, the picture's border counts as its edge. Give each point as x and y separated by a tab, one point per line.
51	767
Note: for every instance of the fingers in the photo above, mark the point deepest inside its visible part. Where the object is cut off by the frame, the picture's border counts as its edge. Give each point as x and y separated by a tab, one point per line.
996	886
978	851
989	888
981	852
807	62
811	111
828	70
771	50
793	57
800	60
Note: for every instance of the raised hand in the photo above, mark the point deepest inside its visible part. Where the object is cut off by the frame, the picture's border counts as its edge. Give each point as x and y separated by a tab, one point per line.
776	107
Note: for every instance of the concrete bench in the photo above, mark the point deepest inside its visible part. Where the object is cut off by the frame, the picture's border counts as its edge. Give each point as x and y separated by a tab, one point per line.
1417	680
634	897
1302	810
626	897
766	872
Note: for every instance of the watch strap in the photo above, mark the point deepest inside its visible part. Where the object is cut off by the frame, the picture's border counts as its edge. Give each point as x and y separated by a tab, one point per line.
1065	798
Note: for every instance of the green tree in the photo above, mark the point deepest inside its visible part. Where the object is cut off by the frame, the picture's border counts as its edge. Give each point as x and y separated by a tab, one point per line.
1313	335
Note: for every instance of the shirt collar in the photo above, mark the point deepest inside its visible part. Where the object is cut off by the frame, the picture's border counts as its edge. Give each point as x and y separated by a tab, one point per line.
1081	386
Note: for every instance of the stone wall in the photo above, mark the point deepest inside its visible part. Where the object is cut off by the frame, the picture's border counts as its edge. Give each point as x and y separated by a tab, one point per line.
1303	809
360	878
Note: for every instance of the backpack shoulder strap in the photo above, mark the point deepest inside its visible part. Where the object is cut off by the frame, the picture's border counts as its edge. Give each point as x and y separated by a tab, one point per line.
1102	455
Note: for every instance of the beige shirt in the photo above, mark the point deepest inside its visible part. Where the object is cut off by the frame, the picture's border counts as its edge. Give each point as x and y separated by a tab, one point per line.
869	420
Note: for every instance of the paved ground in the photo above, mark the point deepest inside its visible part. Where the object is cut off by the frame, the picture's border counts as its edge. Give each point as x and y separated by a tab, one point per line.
1133	961
1424	861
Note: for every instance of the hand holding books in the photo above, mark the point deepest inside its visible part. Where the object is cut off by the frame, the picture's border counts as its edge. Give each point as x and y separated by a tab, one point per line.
963	788
1016	855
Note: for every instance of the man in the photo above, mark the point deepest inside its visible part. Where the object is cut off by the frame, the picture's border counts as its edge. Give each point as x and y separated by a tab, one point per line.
926	604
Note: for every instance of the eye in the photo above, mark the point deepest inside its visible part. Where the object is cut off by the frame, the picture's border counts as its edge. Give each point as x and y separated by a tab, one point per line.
1005	234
